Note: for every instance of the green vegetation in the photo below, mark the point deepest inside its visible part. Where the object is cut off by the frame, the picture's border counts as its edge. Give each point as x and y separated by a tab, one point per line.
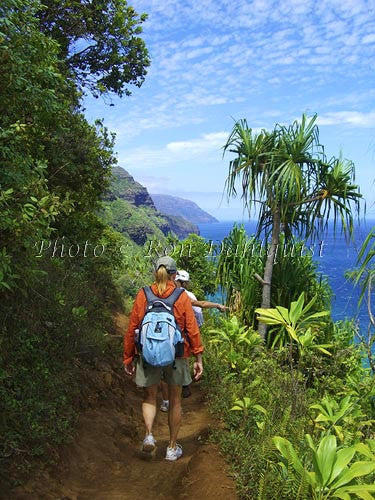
333	474
103	51
191	254
287	173
297	411
268	402
365	275
297	414
56	306
242	258
130	210
137	223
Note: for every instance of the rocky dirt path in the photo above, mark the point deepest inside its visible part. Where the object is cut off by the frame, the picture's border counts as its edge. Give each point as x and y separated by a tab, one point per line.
104	461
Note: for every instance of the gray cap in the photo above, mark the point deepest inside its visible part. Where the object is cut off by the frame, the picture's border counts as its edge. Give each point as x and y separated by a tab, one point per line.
169	264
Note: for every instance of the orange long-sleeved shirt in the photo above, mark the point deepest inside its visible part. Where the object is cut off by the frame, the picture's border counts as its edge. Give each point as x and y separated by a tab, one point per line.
185	318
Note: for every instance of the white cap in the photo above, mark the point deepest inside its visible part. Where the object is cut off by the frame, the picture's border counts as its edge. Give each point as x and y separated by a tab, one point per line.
182	276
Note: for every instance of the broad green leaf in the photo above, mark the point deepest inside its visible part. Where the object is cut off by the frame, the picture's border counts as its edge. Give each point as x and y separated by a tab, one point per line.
324	351
296	309
319	407
269	320
310	442
309	305
322	418
325	457
319	314
358	489
292	332
343	458
343	496
288	452
365	495
261	409
271	314
364	450
284	313
311	477
358	469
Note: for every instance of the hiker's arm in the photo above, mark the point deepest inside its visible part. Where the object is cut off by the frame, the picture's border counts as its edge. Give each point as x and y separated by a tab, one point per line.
189	324
198	366
192	328
209	305
134	321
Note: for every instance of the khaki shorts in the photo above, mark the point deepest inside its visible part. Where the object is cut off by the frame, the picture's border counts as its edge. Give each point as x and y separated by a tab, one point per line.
151	375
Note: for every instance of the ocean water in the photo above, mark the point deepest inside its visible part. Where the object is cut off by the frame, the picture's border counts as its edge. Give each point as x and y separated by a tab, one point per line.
333	255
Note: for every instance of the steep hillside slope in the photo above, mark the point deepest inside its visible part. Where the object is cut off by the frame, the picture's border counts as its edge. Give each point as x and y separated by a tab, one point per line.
126	188
129	209
172	205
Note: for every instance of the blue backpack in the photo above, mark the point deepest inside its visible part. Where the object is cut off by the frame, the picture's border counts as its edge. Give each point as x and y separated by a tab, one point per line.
159	338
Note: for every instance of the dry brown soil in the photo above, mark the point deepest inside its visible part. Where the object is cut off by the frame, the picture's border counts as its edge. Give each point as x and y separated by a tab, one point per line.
104	462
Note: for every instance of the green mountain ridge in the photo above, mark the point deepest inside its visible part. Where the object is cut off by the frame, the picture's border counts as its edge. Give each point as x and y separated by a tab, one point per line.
174	205
130	210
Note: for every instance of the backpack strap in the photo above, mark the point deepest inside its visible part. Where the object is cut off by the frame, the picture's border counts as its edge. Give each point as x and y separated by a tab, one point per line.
167	302
171	299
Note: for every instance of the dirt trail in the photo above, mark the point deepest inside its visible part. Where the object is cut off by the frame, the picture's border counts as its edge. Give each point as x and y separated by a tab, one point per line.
104	461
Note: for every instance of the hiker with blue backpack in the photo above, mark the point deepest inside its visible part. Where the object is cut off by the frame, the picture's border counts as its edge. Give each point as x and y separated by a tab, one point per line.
161	335
182	280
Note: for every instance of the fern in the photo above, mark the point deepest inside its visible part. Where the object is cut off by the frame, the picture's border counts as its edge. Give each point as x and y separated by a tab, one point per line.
303	489
261	488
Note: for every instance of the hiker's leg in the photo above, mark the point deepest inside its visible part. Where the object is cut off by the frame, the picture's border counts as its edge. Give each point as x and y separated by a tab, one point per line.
174	415
164	390
176	376
149	406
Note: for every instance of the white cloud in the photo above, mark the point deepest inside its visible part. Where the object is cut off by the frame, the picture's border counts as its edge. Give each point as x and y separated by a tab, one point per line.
193	42
369	38
155	184
198	52
353	118
207	148
206	143
266	60
218	52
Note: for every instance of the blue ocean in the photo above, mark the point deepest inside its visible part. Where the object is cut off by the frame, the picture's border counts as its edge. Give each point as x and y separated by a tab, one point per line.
333	255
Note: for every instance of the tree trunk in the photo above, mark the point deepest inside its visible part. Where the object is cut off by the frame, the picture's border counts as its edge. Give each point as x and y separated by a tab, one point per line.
267	277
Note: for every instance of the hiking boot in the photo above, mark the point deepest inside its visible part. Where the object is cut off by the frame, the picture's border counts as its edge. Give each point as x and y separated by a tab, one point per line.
165	405
149	443
186	392
173	453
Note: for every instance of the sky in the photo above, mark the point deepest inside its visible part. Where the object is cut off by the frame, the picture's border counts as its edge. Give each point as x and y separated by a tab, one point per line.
217	61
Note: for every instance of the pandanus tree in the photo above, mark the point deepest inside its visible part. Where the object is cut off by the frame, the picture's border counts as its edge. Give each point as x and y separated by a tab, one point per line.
298	190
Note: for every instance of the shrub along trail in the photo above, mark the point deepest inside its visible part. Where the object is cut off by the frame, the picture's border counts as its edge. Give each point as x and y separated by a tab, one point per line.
103	461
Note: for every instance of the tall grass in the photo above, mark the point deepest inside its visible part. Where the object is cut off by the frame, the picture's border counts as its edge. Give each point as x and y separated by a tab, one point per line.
242	259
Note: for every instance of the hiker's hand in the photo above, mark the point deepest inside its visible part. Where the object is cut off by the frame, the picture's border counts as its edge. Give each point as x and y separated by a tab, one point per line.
198	369
129	369
222	307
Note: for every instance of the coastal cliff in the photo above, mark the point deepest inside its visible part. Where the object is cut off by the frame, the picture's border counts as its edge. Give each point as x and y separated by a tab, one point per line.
129	209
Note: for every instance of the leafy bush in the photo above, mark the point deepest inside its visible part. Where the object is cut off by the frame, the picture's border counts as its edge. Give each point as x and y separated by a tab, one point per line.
43	336
242	258
54	170
331	474
257	395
